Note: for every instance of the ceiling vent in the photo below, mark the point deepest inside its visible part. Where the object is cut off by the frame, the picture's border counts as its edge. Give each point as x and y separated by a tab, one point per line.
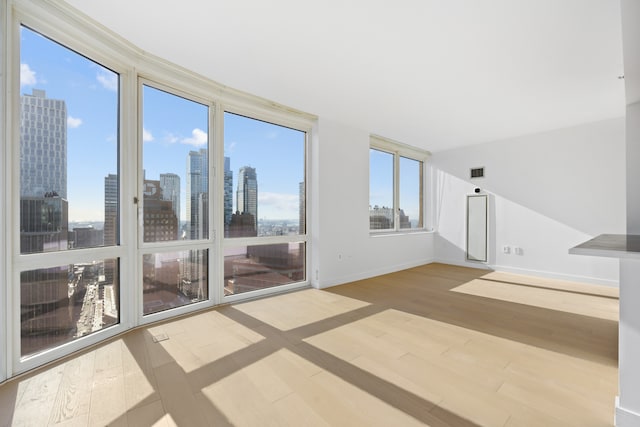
477	172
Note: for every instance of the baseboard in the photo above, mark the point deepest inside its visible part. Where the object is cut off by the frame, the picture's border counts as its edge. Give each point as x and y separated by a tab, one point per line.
624	417
536	273
559	276
470	264
372	273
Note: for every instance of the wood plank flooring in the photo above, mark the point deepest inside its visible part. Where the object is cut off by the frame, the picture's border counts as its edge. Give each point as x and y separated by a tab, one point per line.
434	345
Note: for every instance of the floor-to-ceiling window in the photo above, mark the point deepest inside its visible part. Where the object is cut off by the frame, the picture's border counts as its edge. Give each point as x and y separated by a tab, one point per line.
265	212
66	186
174	229
137	192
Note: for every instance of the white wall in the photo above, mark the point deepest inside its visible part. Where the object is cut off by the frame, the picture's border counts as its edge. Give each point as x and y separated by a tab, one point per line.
343	248
548	192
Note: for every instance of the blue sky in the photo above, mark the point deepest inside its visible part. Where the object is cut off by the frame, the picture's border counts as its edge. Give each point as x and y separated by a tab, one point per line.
172	126
381	183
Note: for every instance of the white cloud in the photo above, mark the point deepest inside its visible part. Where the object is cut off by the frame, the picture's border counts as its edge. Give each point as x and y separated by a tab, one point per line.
27	76
73	122
170	138
108	81
198	138
146	136
278	205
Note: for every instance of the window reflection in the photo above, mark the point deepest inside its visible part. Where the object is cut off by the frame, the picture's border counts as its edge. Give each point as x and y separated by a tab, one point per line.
176	167
61	304
174	279
68	144
251	268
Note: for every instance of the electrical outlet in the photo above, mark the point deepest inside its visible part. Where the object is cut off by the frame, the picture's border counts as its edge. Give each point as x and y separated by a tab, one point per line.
506	249
518	251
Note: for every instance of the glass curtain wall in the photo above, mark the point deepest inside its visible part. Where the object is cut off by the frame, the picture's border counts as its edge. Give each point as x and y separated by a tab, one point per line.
68	194
264	205
176	205
73	163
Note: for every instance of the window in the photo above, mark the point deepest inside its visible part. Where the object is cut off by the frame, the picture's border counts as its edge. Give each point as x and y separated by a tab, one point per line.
122	206
175	199
68	195
264	205
396	187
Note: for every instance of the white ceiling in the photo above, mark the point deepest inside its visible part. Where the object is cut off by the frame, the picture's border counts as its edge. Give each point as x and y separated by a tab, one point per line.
436	74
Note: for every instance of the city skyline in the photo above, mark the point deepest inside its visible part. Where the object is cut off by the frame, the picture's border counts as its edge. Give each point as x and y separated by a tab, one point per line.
172	127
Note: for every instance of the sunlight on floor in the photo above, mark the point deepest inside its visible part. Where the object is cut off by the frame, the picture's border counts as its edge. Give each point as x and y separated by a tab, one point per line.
589	300
294	310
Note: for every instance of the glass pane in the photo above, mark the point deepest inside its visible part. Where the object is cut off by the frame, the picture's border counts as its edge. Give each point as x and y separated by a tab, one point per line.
250	268
68	145
174	279
411	202
381	215
61	304
264	178
176	167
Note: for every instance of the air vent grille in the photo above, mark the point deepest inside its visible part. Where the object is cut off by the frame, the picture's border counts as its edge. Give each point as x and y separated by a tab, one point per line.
477	172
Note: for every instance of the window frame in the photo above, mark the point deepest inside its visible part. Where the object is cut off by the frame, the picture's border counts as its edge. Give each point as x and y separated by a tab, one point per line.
278	119
175	87
5	318
35	19
398	150
65	25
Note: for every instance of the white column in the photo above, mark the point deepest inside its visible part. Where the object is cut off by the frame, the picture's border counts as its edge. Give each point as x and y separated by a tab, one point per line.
628	402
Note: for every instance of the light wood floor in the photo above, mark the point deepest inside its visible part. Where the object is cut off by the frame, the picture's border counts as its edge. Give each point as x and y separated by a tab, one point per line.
436	345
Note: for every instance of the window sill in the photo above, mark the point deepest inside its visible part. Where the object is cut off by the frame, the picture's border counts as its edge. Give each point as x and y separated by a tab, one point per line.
400	233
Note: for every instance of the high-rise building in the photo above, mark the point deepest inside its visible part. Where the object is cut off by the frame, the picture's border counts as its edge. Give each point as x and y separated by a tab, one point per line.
228	192
380	218
86	237
160	222
111	210
242	225
43	146
44	224
111	225
197	184
170	186
247	193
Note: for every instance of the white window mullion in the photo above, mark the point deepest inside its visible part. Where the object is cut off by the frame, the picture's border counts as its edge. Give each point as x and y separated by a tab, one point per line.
407	157
5	165
216	262
396	191
128	210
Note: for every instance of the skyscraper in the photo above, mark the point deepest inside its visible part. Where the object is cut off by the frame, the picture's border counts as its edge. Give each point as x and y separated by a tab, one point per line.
43	173
247	193
111	224
44	222
197	185
228	192
160	222
43	146
170	186
110	210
